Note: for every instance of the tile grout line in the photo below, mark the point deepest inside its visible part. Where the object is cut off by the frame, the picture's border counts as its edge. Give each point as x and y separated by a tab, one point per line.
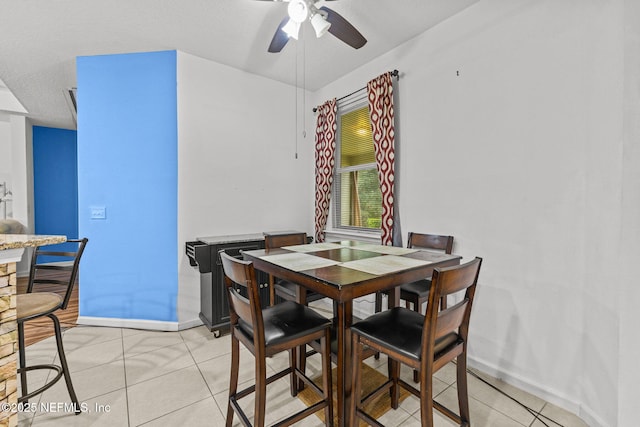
126	385
537	414
547	421
491	408
176	410
202	375
49	372
55	356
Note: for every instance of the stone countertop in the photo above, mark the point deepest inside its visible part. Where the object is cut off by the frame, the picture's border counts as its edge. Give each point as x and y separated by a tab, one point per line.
216	240
239	238
16	241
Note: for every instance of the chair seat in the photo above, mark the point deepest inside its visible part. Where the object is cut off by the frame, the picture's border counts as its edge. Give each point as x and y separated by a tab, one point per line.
289	289
420	288
37	303
400	330
286	322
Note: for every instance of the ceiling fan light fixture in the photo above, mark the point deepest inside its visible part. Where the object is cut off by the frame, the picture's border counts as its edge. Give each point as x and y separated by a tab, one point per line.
320	24
322	19
298	10
292	28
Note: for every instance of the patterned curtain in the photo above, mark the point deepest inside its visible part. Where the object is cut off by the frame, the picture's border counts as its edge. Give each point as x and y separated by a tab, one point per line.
380	94
325	154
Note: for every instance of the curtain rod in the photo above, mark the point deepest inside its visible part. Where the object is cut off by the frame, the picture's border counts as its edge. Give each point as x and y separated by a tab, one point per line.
394	73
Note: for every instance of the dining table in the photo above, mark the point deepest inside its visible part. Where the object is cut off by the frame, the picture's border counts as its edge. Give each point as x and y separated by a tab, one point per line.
343	271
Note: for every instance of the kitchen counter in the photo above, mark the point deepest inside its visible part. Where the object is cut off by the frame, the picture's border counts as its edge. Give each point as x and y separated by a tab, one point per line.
11	250
12	245
16	241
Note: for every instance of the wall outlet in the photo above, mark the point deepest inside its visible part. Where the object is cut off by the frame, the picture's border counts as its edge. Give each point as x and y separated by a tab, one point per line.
98	212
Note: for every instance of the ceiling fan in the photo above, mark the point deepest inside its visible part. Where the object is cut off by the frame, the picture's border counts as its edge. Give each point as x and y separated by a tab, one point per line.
322	19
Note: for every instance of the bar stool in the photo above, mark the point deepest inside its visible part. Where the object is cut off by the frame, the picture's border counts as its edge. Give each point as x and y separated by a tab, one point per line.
266	332
283	288
424	343
417	293
60	268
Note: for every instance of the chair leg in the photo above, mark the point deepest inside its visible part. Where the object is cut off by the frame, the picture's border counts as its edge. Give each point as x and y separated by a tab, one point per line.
22	357
356	393
378	309
417	307
327	386
302	364
63	363
426	401
233	378
272	291
301	298
261	390
394	374
461	382
293	363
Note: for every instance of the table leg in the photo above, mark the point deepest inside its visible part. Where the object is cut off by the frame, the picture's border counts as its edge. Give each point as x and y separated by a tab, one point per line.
394	297
344	317
393	365
301	298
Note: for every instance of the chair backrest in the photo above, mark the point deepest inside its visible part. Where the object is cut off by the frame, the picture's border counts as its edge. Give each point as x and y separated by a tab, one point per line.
240	275
430	241
273	241
454	319
53	266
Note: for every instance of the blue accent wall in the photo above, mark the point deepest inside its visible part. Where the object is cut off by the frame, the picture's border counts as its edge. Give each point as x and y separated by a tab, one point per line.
128	169
55	181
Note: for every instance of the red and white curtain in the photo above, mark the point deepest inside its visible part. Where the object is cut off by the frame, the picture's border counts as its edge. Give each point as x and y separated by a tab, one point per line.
380	95
325	154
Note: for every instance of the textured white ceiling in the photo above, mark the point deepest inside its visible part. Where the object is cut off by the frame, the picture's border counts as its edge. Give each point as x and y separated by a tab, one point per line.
40	39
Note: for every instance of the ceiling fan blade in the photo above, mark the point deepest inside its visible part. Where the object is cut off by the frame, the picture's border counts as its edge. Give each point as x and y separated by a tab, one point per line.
342	29
280	38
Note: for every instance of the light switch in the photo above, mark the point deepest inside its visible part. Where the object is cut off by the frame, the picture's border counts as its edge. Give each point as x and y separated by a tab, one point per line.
98	212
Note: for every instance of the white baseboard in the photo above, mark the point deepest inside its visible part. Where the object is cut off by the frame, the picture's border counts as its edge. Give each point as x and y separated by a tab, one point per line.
190	324
590	418
152	325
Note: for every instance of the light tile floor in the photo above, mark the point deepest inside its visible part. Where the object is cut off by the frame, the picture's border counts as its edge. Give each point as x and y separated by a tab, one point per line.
132	378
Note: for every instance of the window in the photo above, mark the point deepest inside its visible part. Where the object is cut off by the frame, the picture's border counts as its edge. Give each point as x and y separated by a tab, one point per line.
358	200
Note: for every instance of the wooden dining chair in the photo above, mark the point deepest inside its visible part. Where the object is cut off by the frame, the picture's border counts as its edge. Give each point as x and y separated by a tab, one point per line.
417	293
284	289
56	267
266	332
425	343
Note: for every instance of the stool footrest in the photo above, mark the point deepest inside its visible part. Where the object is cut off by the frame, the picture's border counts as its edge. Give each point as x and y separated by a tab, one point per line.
293	418
48	385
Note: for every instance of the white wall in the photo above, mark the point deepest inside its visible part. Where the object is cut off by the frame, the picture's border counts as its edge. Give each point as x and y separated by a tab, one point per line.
16	168
15	157
629	293
22	170
5	158
13	149
510	120
237	169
